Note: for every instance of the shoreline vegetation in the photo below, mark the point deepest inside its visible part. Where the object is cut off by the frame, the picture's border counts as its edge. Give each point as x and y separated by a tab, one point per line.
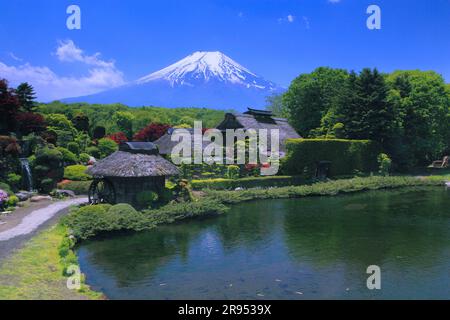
46	258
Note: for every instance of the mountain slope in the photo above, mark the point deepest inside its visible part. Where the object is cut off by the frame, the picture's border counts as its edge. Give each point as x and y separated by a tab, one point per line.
203	79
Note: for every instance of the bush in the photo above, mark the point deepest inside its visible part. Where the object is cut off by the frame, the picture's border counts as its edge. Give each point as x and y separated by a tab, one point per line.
93	151
47	185
73	147
79	187
76	173
15	181
106	147
251	182
345	156
384	163
232	172
69	158
12	201
99	132
5	187
146	199
84	158
47	166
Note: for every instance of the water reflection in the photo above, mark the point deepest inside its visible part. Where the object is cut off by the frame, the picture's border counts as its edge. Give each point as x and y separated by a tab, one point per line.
286	249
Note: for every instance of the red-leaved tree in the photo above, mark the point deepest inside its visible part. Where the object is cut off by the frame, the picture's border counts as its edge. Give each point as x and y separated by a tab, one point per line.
118	137
152	132
9	107
29	122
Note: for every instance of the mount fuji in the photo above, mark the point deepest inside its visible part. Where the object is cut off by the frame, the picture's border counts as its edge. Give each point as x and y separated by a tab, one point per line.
202	79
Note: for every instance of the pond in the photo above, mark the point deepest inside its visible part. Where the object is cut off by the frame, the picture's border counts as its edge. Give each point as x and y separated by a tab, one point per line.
311	248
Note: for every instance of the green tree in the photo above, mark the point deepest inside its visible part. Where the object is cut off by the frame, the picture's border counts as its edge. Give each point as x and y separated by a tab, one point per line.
364	109
124	121
312	96
106	147
422	101
275	104
26	95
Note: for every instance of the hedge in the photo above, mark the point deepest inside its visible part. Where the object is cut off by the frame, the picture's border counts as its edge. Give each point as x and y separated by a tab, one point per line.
79	187
246	183
76	173
346	156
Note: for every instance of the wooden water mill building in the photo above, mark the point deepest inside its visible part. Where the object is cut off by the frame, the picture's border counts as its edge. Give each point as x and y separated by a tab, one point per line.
136	167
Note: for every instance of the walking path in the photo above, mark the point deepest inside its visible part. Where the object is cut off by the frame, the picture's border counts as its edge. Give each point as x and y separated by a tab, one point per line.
13	235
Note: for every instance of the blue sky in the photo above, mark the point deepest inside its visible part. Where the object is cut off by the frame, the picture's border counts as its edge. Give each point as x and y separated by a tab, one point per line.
121	41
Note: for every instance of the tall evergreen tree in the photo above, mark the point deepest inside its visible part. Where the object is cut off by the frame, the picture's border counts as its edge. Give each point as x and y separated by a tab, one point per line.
364	109
26	95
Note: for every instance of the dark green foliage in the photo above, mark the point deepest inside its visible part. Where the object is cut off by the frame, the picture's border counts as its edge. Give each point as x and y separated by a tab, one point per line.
5	187
246	183
26	95
76	173
48	169
15	181
73	147
47	185
69	158
81	122
346	156
146	199
99	132
84	158
94	152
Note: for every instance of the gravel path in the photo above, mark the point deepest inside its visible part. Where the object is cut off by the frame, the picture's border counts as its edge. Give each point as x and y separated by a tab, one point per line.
13	238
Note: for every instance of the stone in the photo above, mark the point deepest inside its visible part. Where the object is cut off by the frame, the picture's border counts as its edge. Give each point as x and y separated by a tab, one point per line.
40	198
24	195
65	193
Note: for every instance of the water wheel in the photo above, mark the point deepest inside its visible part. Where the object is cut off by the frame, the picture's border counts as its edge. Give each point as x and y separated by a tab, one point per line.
102	191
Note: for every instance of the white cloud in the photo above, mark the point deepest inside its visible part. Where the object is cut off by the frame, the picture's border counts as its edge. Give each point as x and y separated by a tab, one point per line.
101	75
289	18
334	1
14	57
67	51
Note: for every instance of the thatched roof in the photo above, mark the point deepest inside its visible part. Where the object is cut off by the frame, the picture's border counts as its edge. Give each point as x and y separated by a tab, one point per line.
133	165
256	119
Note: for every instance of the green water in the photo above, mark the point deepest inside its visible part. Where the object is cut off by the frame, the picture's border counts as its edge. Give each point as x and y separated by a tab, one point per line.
286	249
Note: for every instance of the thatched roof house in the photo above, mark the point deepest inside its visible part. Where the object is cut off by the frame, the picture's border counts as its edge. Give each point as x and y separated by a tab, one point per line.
134	160
259	119
137	167
252	119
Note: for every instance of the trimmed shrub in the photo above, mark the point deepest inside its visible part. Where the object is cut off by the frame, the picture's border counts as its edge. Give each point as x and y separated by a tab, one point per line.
5	187
246	183
76	173
47	185
106	147
146	199
48	169
233	172
84	158
93	151
69	157
12	201
79	187
15	181
73	147
345	156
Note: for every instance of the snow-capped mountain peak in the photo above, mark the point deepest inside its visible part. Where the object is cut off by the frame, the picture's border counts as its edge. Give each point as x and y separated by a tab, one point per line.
203	66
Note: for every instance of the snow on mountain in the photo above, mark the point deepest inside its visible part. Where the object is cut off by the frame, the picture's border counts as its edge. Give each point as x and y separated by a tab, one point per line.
202	79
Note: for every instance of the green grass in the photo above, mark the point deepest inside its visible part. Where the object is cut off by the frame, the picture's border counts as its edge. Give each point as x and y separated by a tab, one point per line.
36	271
